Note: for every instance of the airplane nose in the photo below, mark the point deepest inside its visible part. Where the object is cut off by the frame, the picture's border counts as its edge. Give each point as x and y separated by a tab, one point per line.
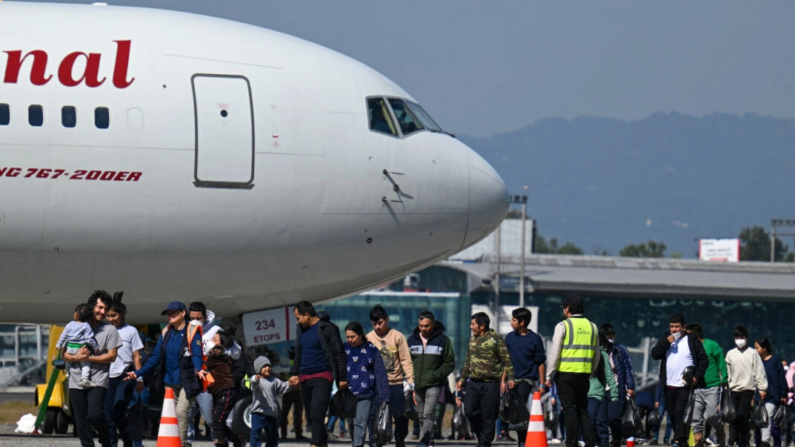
488	199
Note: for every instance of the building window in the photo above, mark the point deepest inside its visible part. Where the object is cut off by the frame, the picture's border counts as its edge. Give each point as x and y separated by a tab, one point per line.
102	117
68	116
5	115
35	115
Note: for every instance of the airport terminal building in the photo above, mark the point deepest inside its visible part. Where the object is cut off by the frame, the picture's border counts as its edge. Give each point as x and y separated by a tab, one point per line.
636	295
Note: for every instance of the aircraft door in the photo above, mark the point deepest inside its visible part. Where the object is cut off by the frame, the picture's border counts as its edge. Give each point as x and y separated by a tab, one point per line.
224	132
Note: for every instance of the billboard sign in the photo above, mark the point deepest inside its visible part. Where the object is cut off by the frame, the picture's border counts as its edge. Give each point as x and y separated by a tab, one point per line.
721	250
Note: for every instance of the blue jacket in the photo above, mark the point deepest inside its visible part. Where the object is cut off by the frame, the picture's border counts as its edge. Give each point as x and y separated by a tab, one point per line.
171	355
366	372
624	371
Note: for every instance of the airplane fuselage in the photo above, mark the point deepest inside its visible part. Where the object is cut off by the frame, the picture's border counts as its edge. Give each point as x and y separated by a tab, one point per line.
182	157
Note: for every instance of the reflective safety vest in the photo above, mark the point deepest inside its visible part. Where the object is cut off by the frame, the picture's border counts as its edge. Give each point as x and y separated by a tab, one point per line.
579	346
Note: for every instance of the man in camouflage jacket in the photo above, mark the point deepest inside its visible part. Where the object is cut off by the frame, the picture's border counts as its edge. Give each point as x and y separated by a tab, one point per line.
487	368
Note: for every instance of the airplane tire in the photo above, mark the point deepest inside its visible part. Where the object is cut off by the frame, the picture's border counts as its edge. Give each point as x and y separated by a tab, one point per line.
49	421
241	418
61	423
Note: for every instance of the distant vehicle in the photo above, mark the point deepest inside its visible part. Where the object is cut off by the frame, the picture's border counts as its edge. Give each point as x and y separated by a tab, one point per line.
183	157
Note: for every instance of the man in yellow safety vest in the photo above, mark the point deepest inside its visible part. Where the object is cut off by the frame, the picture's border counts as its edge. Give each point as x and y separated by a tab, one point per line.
571	361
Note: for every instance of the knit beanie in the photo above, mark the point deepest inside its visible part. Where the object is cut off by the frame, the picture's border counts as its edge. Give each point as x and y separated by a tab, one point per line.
259	363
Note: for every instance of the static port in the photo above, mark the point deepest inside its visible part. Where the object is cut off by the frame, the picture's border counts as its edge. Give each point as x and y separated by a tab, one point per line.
369	240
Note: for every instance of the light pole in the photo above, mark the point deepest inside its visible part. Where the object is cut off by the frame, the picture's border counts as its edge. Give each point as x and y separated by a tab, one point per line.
523	201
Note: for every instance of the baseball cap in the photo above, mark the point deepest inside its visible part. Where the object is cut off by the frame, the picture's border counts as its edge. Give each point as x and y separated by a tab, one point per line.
174	305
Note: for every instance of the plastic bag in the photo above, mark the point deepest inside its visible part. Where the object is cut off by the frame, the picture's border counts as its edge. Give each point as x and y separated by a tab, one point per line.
410	409
383	425
653	419
781	416
458	420
690	408
138	423
552	419
26	424
760	417
631	423
343	404
518	416
727	408
503	413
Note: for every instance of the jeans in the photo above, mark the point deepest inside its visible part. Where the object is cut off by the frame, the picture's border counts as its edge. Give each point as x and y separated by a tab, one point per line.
117	400
223	404
271	425
615	409
523	390
481	405
770	407
203	404
676	402
397	403
742	402
597	410
144	396
360	421
292	399
668	427
333	420
88	408
573	394
316	394
427	399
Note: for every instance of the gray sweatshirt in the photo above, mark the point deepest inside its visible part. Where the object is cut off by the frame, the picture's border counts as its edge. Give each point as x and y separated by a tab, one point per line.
268	395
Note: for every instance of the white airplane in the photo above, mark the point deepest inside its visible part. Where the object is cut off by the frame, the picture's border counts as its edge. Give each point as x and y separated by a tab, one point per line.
180	157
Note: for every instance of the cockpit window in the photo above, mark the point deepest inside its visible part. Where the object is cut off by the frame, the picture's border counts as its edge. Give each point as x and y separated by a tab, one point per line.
405	117
424	118
380	120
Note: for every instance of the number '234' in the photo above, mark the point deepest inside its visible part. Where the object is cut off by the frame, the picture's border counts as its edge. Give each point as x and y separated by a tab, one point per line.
265	324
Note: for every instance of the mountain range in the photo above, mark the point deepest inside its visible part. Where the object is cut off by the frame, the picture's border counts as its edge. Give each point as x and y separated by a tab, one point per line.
604	183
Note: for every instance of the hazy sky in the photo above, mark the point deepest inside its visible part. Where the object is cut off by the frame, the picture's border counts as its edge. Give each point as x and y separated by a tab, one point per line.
486	67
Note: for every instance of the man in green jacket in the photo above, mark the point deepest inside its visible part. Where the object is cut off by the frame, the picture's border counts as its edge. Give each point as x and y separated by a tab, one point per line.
708	394
488	367
433	359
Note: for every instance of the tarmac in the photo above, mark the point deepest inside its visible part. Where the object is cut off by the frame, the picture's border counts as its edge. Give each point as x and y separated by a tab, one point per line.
9	439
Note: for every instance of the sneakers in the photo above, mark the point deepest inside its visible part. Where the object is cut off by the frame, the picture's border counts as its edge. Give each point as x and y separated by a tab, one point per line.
341	435
555	441
85	383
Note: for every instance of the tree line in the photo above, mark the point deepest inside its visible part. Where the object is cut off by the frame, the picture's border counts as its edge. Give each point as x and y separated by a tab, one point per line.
754	246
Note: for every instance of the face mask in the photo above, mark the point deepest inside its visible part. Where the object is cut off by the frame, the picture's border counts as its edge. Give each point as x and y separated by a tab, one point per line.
677	335
209	347
611	340
740	342
786	368
195	322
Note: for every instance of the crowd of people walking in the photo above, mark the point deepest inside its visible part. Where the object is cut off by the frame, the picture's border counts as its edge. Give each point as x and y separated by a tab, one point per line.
586	378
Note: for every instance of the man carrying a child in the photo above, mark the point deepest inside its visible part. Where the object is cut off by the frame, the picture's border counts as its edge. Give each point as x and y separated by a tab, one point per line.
88	403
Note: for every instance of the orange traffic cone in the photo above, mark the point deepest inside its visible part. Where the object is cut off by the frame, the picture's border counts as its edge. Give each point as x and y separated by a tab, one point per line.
168	434
536	431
